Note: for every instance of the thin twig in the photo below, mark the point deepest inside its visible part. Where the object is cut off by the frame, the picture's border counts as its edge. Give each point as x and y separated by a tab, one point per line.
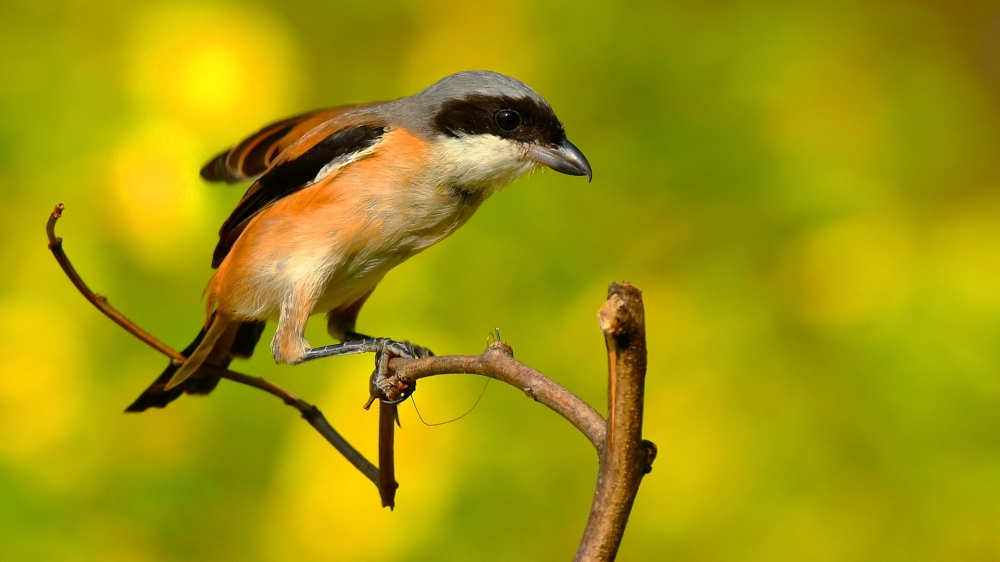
55	245
309	412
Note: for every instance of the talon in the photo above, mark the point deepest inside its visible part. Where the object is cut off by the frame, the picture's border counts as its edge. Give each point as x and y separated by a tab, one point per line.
381	385
398	348
389	389
415	351
420	352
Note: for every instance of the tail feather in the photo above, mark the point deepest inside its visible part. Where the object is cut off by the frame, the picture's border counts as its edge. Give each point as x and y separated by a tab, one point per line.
246	337
215	334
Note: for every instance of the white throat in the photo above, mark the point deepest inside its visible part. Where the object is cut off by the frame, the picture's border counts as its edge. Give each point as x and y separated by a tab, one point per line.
481	162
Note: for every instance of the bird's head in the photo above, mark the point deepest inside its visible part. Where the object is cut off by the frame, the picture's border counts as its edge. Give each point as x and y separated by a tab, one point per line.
486	129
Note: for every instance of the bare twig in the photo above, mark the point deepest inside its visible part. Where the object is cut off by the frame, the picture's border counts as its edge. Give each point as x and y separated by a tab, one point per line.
309	412
55	245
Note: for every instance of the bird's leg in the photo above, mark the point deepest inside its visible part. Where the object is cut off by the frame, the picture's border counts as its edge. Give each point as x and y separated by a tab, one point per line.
354	343
415	351
363	345
382	384
289	344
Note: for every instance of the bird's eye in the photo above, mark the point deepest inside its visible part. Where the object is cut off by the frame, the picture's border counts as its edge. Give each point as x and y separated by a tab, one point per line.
508	120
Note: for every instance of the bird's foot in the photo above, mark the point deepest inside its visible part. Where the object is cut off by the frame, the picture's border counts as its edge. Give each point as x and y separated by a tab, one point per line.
382	384
408	350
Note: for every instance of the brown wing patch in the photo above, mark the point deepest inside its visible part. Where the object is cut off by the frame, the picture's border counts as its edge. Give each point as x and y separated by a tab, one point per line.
295	169
255	154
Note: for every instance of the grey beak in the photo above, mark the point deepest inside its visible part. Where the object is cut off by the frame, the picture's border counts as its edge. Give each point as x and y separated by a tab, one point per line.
564	158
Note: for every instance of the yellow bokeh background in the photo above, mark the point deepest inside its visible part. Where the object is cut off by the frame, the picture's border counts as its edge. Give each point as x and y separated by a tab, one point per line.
807	194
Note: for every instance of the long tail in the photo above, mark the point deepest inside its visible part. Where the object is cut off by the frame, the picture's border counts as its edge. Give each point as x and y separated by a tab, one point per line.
237	340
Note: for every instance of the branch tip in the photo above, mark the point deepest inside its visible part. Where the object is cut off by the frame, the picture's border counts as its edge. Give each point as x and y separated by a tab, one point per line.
610	315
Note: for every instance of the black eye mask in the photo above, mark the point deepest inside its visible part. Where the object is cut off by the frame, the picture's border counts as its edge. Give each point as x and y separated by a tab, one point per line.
522	119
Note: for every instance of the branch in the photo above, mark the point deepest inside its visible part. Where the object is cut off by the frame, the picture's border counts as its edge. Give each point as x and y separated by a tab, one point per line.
309	412
624	457
386	458
55	245
498	362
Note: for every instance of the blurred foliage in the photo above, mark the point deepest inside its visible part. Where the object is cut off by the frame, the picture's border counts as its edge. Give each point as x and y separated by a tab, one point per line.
807	194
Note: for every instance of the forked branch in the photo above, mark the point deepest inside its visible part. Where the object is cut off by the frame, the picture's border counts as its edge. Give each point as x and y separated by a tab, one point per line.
624	457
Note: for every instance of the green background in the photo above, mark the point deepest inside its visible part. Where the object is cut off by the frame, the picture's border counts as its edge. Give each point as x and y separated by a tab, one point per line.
806	193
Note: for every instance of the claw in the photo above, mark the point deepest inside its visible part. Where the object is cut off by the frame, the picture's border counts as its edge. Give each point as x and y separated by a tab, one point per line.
381	385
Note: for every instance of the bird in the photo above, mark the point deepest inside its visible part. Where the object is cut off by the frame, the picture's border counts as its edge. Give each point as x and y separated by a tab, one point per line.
342	195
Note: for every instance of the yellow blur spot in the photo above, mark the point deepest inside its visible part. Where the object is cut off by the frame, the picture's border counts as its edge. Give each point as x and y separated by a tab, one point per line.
323	509
212	79
853	270
213	67
701	444
966	253
700	473
41	391
160	203
114	538
196	73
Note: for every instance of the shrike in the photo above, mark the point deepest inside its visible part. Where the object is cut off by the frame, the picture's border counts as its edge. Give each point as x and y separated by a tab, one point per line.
339	197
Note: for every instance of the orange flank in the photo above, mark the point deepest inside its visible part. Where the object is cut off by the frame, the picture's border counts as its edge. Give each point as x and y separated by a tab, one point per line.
324	247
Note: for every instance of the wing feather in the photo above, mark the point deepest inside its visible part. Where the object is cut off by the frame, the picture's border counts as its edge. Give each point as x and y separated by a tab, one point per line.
256	153
295	167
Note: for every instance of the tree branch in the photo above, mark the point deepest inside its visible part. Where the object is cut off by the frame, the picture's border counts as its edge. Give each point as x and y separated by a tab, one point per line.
624	457
55	246
498	362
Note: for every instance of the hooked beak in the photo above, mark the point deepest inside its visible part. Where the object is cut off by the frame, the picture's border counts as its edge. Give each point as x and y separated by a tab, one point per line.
564	158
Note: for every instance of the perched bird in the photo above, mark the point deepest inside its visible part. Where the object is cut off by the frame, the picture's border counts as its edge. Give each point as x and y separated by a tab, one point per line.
339	197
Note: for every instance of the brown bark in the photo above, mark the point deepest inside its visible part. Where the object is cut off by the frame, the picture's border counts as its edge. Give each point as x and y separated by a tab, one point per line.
625	457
